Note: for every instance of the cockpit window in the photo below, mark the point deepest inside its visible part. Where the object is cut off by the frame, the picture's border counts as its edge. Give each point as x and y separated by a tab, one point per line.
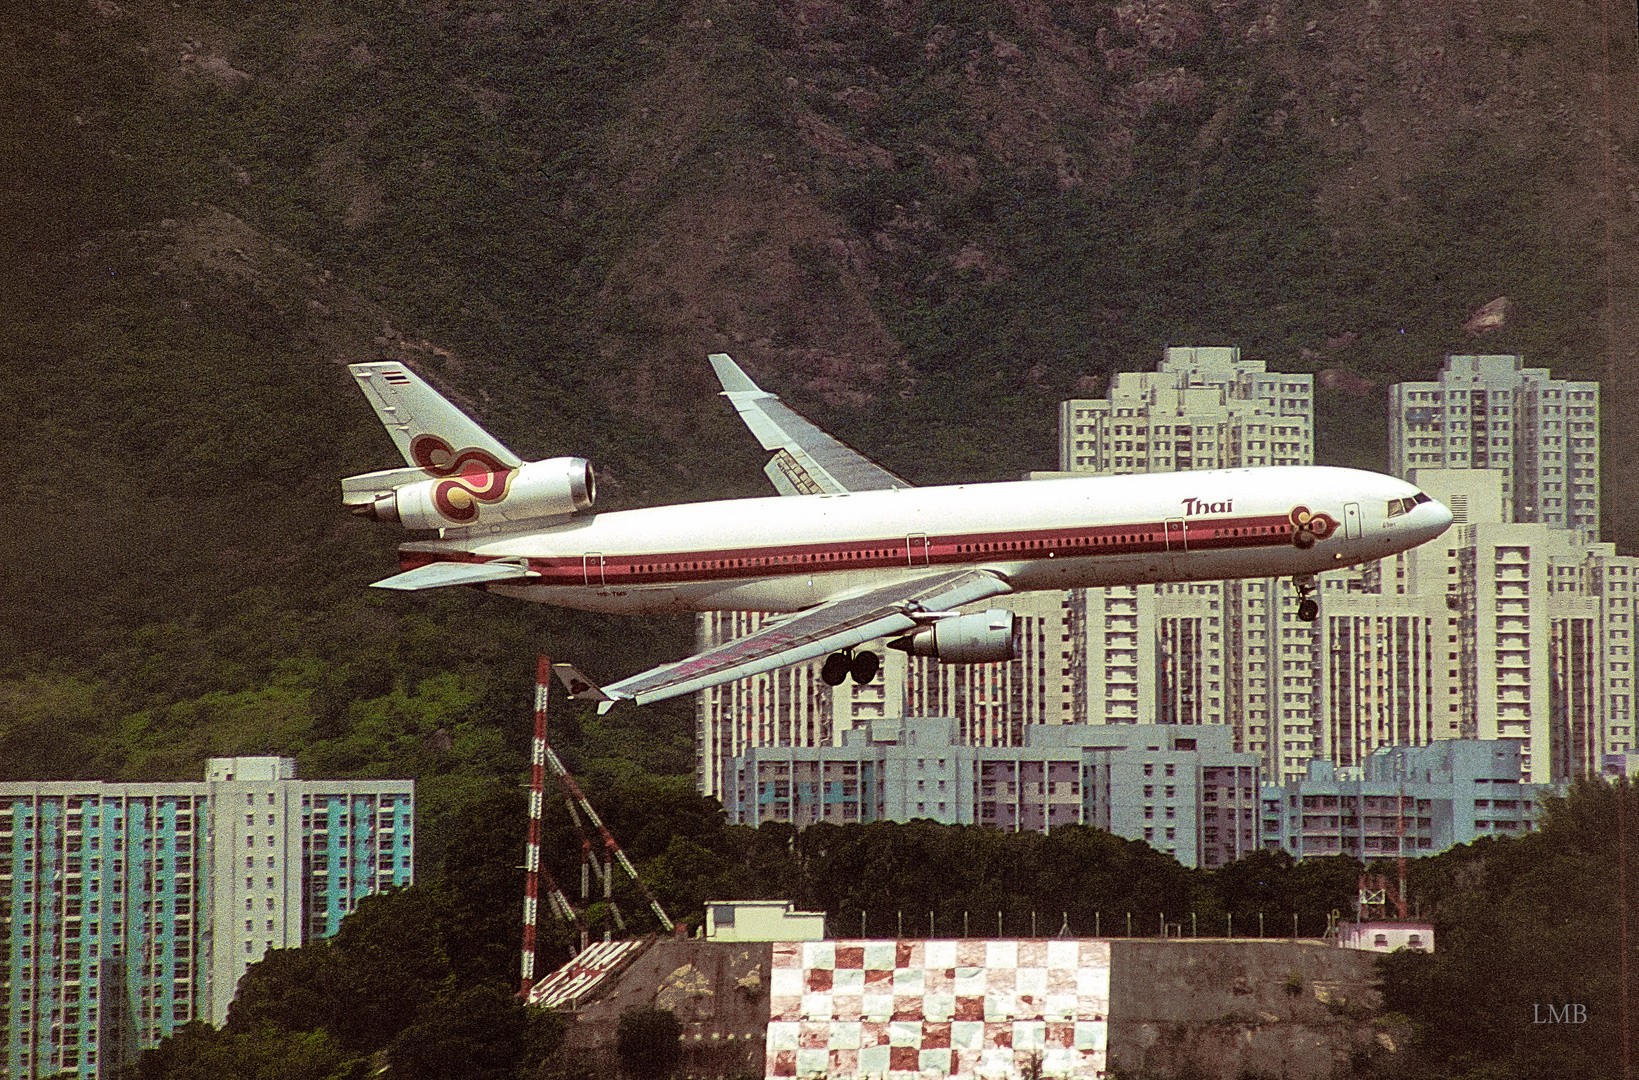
1403	506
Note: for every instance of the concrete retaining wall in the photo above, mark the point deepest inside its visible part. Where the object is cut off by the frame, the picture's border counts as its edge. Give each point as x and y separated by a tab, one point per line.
1227	1008
1186	1009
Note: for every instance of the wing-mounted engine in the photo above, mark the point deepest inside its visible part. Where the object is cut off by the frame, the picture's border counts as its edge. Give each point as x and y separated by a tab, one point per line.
983	637
474	490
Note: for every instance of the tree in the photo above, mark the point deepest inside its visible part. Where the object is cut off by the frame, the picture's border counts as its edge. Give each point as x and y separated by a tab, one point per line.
648	1042
481	1033
1535	921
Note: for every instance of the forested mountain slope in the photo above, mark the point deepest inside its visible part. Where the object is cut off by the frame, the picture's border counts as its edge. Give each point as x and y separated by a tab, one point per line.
923	222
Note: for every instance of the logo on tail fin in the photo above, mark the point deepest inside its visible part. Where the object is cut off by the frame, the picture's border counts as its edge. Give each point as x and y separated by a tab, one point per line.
475	476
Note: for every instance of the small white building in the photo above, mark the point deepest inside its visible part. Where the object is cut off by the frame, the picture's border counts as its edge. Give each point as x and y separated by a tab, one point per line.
762	920
1386	935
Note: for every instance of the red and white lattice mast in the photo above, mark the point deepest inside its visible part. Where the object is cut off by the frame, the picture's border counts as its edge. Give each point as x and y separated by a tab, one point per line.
535	872
538	880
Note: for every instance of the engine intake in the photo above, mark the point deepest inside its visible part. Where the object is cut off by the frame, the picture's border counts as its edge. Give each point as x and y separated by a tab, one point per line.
485	496
984	637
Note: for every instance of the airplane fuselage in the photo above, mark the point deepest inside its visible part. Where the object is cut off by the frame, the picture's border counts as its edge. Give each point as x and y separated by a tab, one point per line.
790	553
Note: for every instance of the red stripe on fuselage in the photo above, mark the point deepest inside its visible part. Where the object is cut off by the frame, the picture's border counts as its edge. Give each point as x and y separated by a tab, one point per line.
675	568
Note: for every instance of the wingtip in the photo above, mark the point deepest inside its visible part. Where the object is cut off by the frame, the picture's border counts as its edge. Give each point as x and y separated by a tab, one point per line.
731	375
580	687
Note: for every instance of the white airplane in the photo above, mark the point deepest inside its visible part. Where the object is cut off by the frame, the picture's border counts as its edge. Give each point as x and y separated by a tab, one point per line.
853	551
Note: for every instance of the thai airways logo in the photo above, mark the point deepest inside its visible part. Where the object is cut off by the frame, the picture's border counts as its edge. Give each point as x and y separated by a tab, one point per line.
475	476
1309	526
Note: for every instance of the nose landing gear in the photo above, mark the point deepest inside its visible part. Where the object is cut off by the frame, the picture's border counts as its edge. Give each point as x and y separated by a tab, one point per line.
863	666
1308	606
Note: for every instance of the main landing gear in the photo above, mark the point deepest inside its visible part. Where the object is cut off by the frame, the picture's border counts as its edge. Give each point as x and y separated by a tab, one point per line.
1308	606
862	666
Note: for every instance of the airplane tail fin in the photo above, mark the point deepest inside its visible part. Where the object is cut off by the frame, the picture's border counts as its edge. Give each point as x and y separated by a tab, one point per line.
427	429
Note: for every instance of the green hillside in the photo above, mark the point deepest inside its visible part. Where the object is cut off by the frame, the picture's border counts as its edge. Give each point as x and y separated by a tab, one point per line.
923	223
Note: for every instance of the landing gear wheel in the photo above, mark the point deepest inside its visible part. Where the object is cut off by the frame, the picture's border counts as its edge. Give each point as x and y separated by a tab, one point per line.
836	668
1308	607
865	666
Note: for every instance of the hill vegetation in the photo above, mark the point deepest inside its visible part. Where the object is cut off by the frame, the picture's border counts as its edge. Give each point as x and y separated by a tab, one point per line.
421	978
892	214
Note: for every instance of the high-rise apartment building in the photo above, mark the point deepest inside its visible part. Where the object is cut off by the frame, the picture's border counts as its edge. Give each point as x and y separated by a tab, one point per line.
1232	652
135	908
1498	631
1185	791
1493	412
1202	408
1206	652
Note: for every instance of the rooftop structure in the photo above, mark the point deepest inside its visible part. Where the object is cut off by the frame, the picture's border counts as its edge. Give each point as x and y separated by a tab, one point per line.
761	920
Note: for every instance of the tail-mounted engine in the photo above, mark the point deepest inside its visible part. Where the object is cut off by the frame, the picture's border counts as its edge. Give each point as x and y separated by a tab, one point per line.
984	637
477	491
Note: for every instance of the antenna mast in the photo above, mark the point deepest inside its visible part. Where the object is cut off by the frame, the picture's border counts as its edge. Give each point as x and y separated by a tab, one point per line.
538	879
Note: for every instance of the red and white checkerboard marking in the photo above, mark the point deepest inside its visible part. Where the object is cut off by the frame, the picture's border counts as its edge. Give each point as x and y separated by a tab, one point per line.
905	1010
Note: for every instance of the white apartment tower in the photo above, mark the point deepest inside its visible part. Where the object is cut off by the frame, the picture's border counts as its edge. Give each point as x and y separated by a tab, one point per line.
1493	412
1203	652
1229	652
1544	645
289	858
1387	671
1497	630
1202	408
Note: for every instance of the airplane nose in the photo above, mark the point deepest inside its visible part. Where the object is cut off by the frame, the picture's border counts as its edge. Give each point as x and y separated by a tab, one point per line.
1439	517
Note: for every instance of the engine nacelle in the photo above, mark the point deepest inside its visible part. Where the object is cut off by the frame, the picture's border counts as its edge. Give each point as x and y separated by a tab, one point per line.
984	637
480	494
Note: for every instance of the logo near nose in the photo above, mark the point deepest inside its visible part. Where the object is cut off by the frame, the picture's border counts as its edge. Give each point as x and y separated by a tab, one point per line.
1309	526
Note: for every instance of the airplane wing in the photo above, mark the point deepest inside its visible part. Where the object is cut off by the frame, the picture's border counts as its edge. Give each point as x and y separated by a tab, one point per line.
808	461
828	627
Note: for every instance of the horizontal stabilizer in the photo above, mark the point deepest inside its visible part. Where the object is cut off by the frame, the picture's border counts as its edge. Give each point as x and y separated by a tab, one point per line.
364	489
440	574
